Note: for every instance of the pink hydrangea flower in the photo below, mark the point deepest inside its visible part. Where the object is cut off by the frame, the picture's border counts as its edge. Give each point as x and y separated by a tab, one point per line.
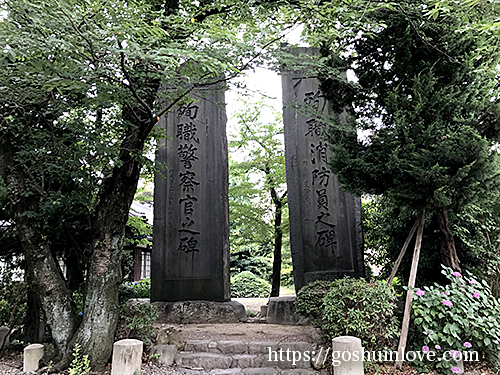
476	295
468	345
425	349
457	274
456	370
447	302
419	292
437	347
473	282
444	294
454	354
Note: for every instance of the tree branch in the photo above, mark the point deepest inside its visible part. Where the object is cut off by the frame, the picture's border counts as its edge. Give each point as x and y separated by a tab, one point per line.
131	85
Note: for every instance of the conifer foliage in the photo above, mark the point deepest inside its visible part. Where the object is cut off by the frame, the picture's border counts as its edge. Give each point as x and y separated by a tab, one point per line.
422	116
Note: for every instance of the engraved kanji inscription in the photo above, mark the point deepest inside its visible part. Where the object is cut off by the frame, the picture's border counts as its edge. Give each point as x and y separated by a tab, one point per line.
187	180
186	155
312	99
187	132
315	127
188	204
322	199
326	238
321	176
189	110
318	152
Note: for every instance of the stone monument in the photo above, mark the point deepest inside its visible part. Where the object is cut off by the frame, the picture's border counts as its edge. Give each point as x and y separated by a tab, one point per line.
325	222
190	257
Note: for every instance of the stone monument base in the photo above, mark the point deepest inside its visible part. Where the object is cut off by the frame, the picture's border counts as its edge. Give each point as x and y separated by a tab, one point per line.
281	310
196	312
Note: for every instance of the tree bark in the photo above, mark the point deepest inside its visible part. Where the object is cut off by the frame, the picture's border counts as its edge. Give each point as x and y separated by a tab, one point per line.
55	297
101	311
278	241
448	249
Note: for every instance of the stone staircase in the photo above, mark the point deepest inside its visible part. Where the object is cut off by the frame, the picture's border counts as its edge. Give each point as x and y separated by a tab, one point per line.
249	358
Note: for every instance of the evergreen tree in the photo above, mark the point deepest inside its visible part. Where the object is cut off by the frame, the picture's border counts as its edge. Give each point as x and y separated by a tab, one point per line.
422	116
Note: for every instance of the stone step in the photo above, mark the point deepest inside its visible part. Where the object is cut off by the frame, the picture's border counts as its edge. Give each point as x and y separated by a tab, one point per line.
247	358
252	347
249	371
209	361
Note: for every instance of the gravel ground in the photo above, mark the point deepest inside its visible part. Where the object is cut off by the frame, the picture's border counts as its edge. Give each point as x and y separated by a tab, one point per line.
11	364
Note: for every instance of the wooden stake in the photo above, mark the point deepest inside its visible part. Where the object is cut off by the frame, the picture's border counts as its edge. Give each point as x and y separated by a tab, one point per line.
403	251
409	293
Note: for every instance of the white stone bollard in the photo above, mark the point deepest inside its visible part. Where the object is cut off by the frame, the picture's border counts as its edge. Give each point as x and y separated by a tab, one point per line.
32	354
127	357
347	355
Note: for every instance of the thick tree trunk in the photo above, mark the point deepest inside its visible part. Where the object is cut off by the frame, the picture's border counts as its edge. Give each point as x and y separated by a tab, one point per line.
448	249
101	311
55	297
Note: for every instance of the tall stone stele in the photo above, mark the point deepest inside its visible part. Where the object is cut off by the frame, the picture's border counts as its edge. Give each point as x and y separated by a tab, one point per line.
326	237
190	257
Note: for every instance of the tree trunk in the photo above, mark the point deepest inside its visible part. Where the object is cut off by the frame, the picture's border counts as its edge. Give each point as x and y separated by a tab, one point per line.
101	311
448	249
55	297
278	240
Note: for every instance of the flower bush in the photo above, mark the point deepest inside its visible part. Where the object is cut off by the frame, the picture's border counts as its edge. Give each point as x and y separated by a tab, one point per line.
136	289
460	316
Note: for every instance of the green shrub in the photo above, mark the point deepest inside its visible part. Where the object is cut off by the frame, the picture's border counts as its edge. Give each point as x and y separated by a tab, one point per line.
246	284
287	277
309	300
80	365
352	307
246	260
136	321
366	310
459	316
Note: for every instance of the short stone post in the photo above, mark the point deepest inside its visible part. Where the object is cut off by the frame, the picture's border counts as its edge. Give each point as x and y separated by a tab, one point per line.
458	358
127	357
347	356
32	354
